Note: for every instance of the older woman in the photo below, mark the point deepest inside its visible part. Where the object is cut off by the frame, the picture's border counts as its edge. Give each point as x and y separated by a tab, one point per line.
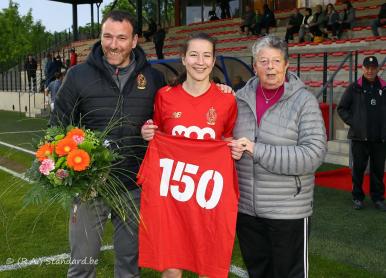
281	142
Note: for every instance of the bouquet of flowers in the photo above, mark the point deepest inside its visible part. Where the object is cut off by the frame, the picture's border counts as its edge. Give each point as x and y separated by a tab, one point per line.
75	163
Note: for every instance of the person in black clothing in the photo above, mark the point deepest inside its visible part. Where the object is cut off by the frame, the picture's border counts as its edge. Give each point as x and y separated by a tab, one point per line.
331	21
30	67
268	19
316	26
380	21
225	9
115	84
293	26
212	16
158	39
49	70
150	32
348	18
363	108
58	64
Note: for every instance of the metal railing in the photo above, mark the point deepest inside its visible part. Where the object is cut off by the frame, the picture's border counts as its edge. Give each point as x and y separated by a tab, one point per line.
329	84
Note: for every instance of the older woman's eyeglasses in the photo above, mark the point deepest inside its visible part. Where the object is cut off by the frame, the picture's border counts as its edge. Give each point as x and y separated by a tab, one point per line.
267	62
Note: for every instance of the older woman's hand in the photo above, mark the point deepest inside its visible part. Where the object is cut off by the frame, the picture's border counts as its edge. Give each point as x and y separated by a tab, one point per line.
239	146
148	130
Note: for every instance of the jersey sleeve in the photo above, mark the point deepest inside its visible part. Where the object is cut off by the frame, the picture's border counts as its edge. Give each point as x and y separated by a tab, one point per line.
231	121
157	116
146	167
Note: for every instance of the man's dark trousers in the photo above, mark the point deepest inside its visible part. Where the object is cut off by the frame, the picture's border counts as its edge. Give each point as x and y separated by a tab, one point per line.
362	151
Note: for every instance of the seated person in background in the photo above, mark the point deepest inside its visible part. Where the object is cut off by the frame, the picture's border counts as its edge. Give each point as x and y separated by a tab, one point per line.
316	25
380	21
248	21
348	18
212	16
152	29
304	27
268	19
238	83
256	28
331	21
293	25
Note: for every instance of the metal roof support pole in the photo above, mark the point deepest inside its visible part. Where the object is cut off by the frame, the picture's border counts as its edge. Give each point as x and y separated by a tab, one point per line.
75	21
139	16
92	21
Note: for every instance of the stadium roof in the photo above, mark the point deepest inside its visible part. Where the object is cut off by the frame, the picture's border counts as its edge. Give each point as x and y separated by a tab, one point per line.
78	2
75	4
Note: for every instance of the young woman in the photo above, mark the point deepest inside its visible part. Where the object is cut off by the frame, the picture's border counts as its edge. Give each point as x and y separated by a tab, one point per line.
194	107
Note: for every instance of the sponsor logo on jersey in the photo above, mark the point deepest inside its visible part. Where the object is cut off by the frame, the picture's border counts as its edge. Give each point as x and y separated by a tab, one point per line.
187	131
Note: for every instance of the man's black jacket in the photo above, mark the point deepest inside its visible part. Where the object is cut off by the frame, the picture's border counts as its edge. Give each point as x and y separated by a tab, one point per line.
353	110
89	97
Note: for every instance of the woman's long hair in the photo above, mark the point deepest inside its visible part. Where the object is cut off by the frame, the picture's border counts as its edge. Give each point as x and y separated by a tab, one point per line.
197	36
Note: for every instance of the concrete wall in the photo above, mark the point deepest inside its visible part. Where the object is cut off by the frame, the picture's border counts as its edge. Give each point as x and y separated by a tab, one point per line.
24	102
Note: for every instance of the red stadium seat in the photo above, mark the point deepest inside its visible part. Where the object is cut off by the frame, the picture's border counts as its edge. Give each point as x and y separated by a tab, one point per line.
371	39
341	41
337	54
369	52
308	55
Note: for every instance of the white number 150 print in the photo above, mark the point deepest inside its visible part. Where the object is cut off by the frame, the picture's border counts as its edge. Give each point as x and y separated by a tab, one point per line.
180	171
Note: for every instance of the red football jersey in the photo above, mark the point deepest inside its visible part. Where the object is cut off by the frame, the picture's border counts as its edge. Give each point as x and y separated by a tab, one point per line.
188	205
210	115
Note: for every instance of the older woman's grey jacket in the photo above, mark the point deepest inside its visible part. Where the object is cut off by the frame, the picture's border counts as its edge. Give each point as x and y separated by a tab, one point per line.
290	144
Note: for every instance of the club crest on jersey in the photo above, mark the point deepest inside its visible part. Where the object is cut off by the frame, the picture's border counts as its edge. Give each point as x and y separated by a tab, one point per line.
211	116
176	115
141	81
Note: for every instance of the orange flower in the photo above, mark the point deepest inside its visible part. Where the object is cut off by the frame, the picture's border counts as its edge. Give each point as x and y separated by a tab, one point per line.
76	134
65	145
44	151
79	160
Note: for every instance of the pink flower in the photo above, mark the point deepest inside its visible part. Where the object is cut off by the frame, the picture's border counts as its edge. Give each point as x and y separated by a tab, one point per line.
46	167
61	174
78	139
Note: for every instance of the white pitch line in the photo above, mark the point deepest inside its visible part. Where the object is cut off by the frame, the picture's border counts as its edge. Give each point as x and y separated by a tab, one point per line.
17	148
65	256
15	174
238	271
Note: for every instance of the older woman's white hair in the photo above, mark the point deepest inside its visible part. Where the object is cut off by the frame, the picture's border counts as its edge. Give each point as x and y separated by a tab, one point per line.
272	42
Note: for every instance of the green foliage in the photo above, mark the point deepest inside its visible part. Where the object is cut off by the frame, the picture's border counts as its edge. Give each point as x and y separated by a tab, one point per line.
19	35
149	10
120	5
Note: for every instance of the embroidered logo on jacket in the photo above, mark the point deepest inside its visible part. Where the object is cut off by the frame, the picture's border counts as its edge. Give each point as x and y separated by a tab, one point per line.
141	81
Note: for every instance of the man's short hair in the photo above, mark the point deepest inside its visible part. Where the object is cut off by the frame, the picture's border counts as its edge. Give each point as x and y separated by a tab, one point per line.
119	15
